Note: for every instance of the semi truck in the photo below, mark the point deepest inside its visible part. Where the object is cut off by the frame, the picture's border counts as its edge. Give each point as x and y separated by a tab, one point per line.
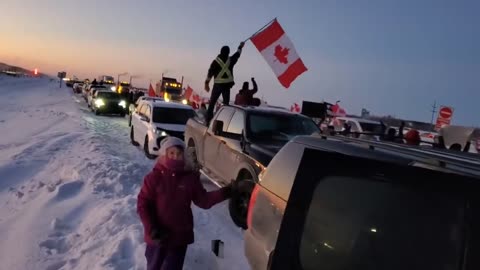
171	90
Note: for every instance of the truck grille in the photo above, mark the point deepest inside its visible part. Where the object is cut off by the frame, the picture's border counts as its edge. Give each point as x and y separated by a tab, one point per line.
177	134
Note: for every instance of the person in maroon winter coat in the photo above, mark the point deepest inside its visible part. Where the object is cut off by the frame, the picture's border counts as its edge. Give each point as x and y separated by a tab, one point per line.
164	206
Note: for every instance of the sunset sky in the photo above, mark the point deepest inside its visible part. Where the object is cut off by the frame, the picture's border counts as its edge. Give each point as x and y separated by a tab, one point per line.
391	57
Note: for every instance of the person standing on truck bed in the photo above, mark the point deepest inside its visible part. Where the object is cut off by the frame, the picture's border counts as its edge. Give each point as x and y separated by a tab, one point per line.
221	70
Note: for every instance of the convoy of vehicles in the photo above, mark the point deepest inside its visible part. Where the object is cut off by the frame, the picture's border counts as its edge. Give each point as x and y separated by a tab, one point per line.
171	90
154	119
240	142
106	79
307	200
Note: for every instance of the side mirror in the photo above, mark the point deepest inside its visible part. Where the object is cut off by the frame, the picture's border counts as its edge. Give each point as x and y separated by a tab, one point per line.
217	127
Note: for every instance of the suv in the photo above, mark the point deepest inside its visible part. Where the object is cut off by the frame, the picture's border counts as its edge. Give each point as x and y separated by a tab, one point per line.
92	92
352	204
108	102
133	106
153	120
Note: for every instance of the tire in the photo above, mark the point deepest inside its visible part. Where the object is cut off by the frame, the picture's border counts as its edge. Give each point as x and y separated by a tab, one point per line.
122	115
147	151
132	138
192	152
238	204
97	112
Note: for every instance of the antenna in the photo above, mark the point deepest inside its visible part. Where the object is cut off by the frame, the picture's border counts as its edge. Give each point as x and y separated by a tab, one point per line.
434	110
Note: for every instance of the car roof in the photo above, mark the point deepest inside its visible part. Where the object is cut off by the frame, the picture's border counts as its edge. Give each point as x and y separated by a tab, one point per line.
360	120
397	153
265	109
106	91
164	104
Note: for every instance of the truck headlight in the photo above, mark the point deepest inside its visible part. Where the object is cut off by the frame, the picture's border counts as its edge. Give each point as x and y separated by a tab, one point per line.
99	103
113	88
123	104
184	101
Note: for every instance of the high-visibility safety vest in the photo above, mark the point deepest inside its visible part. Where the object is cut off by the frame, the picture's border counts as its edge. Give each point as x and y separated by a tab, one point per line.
224	71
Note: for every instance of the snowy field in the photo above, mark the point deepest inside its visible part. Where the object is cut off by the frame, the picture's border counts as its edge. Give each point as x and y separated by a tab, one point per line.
68	187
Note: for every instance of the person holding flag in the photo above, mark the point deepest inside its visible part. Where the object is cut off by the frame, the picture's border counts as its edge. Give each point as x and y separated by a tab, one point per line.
221	70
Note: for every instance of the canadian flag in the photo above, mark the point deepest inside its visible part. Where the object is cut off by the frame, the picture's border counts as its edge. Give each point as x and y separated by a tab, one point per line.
151	92
295	108
188	92
338	111
279	52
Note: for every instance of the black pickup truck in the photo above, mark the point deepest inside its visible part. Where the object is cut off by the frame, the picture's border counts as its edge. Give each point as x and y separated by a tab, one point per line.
240	142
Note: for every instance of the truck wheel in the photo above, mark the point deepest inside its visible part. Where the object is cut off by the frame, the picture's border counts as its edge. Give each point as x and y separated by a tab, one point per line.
97	112
147	151
192	152
238	204
132	138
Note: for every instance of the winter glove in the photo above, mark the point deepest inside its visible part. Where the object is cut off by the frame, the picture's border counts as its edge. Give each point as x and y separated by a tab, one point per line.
207	86
158	235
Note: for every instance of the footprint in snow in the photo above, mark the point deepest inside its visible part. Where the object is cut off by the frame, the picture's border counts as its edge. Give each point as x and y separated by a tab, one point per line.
68	190
56	266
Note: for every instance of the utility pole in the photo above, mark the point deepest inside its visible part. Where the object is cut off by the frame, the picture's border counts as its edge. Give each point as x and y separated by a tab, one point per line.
434	110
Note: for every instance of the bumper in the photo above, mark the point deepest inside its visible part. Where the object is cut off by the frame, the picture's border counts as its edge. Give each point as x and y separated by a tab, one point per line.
111	109
177	134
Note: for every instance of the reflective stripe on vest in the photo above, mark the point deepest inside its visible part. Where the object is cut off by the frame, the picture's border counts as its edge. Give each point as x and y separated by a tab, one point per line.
224	70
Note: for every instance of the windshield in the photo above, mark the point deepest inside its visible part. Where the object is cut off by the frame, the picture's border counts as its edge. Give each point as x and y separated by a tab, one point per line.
172	115
108	95
371	127
174	91
279	127
108	78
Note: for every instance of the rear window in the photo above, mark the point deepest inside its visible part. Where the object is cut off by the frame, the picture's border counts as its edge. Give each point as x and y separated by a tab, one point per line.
370	224
371	127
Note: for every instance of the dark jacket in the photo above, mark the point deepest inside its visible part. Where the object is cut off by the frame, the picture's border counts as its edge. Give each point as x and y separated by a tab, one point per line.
245	96
215	68
164	203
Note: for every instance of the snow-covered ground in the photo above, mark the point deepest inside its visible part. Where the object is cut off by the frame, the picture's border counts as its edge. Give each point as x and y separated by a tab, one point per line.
68	187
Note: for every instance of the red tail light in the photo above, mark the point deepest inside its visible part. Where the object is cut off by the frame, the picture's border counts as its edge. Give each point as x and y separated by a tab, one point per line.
253	199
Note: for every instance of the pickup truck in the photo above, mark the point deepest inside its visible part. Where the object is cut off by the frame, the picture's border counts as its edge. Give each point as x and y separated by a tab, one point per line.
239	143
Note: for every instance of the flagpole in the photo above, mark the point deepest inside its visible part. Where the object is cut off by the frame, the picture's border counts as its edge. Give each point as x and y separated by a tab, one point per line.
260	30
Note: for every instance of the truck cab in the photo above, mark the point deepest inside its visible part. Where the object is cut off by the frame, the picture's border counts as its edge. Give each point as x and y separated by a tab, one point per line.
171	90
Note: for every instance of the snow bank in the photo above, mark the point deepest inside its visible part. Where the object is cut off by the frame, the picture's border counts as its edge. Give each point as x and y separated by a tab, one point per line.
68	186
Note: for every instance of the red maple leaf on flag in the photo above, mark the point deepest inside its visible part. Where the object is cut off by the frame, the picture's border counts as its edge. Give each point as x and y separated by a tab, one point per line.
281	54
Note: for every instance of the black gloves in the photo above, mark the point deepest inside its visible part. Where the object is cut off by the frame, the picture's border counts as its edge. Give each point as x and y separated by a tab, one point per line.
241	45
